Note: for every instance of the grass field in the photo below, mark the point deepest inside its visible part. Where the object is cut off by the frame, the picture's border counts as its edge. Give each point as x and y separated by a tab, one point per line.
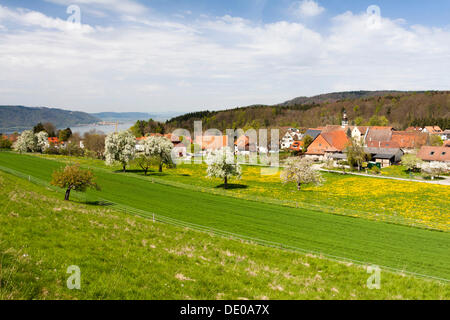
126	257
401	202
405	248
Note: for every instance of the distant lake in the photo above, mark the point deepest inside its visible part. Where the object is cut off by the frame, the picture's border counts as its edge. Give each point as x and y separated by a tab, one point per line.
103	128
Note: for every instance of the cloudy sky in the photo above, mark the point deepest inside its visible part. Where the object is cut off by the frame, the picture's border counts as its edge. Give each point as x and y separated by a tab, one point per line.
189	55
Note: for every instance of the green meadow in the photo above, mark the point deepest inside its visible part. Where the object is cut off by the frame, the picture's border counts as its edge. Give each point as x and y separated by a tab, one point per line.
338	237
127	257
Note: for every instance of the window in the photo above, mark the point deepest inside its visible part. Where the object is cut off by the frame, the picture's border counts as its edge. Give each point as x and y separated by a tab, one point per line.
432	153
443	153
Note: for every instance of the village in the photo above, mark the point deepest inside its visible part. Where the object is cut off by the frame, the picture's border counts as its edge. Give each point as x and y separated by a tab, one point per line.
383	145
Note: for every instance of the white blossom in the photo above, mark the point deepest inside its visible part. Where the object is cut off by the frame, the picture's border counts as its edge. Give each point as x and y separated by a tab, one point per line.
435	168
120	147
222	164
27	142
159	148
301	172
42	141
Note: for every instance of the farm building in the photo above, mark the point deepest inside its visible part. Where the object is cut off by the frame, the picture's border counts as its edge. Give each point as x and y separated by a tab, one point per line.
385	156
439	154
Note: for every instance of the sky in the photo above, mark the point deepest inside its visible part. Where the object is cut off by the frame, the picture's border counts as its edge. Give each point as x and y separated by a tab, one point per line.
190	55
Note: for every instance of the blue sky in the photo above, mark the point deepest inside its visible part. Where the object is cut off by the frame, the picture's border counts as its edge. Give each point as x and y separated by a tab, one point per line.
180	55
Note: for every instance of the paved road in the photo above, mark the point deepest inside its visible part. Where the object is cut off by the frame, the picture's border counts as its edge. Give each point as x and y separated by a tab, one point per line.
445	182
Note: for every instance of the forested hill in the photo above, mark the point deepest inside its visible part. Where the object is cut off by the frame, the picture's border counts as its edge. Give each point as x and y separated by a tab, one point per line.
395	108
18	118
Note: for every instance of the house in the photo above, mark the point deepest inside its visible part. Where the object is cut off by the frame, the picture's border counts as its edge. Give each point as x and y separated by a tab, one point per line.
54	141
432	130
244	146
405	140
446	144
445	135
326	144
297	146
212	143
409	139
439	154
291	135
385	156
376	135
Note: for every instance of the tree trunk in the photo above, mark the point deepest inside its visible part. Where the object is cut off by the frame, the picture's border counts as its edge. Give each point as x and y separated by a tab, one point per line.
160	167
66	198
146	170
226	182
124	168
299	185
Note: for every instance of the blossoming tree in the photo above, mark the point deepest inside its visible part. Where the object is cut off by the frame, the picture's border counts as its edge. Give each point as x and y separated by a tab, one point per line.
27	142
158	149
222	165
120	147
301	172
41	141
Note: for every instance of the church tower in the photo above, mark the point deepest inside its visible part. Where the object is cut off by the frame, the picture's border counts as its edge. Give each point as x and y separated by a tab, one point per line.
344	119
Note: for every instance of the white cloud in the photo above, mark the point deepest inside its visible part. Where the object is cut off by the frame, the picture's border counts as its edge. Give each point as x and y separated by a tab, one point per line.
307	8
117	6
36	19
152	64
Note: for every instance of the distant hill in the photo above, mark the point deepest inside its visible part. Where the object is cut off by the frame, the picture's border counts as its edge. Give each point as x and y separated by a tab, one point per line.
19	118
133	116
336	96
396	108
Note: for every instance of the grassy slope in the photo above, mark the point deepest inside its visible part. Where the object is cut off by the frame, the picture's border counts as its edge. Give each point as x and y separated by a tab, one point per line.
125	257
384	244
407	203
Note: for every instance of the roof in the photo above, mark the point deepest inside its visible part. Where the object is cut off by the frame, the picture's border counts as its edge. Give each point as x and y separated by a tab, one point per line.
313	133
409	140
296	145
383	144
242	141
433	129
53	140
428	153
212	142
384	151
338	140
379	134
383	156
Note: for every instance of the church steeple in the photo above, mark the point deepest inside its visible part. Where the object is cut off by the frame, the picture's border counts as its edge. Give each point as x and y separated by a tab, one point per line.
344	119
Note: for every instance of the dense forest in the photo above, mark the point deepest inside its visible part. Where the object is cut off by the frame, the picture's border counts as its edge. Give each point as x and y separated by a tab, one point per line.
394	108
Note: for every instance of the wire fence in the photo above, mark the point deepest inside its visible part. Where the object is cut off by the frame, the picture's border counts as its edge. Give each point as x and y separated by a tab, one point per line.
221	233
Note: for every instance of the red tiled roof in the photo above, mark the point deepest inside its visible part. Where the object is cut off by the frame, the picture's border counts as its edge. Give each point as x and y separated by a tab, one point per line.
428	153
336	139
297	146
433	129
383	144
212	142
409	140
54	140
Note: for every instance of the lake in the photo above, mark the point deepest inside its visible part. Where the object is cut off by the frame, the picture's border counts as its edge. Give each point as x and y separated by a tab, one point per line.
103	128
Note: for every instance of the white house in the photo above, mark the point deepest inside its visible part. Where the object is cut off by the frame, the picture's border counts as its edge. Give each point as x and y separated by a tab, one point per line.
288	139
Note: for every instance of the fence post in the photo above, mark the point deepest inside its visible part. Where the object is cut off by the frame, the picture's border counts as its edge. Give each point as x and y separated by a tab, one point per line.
153	218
